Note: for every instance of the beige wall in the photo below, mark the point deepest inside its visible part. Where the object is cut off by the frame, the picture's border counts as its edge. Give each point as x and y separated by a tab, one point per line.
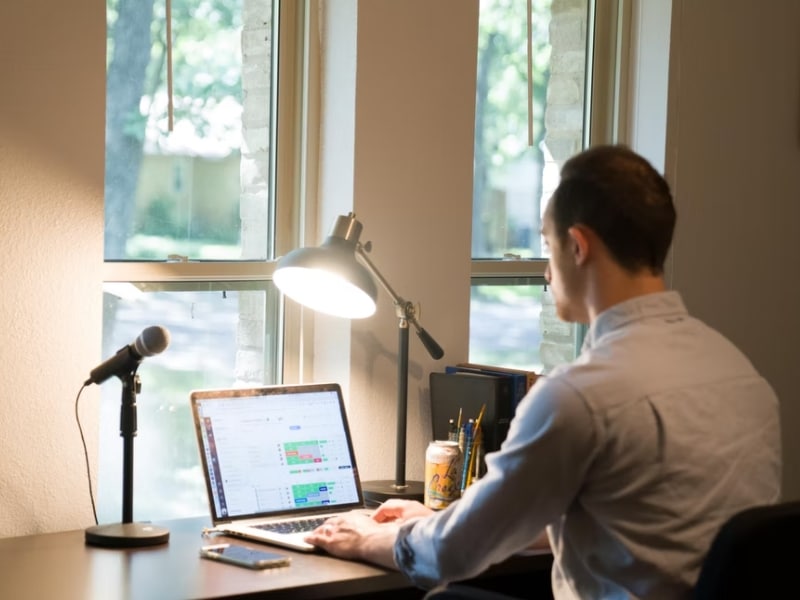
732	156
733	159
51	242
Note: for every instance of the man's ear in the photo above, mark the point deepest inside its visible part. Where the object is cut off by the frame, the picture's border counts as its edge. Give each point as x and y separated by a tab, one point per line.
579	237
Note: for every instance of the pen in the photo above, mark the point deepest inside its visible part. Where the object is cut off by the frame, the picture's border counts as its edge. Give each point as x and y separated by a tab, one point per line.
452	432
468	453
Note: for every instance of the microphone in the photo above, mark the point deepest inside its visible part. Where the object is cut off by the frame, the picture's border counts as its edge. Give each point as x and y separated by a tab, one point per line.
153	340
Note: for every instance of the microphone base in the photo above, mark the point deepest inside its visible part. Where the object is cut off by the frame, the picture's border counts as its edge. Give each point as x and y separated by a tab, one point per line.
126	535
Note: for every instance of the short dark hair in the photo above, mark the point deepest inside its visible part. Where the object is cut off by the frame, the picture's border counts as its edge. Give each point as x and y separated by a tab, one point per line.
623	199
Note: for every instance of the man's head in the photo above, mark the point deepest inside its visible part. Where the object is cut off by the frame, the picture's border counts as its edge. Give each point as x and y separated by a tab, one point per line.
623	199
612	203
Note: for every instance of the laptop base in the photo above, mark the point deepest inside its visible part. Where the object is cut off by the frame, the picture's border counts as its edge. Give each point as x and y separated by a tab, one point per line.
378	492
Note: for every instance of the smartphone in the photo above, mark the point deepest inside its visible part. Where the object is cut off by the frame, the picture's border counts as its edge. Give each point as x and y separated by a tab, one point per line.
244	556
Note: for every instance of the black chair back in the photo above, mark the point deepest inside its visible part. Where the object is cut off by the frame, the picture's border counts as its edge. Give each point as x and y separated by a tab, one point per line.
754	555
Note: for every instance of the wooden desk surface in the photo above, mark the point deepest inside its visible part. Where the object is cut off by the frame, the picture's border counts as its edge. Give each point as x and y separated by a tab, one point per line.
62	566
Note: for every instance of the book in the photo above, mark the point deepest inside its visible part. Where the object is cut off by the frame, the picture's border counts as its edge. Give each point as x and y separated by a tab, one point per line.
466	393
530	376
522	380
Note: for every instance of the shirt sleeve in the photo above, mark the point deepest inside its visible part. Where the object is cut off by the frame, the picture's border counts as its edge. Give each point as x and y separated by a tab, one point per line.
529	483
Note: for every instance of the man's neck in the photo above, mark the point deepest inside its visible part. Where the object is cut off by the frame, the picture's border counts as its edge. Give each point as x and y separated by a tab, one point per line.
616	285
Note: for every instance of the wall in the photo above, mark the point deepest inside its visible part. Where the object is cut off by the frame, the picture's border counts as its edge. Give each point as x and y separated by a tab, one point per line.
733	159
51	243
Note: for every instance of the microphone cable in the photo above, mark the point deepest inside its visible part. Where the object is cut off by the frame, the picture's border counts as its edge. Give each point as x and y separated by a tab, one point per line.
85	453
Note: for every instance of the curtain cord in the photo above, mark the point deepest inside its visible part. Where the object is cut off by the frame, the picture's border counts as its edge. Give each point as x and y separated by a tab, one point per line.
170	108
530	72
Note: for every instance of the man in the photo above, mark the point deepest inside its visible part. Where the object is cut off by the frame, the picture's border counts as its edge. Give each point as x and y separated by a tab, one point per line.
632	456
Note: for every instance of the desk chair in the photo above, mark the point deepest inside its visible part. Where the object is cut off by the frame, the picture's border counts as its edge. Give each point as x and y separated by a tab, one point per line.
754	555
533	583
465	592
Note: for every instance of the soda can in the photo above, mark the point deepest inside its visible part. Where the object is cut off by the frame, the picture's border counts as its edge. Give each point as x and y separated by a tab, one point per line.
442	474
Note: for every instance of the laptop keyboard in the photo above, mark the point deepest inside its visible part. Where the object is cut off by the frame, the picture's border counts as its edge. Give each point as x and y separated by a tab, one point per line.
297	526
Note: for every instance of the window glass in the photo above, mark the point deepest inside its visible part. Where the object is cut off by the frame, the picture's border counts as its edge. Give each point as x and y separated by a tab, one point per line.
518	155
513	308
185	182
508	176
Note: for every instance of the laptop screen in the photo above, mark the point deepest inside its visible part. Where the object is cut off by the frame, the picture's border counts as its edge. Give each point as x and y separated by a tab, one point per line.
275	450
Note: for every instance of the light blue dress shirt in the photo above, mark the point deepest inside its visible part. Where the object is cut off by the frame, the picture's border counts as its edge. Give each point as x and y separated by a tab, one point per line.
631	457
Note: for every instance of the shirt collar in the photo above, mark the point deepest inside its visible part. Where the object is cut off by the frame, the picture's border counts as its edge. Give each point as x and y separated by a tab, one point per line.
658	304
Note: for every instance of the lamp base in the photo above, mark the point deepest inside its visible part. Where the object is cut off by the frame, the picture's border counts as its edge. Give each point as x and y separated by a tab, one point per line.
378	492
126	535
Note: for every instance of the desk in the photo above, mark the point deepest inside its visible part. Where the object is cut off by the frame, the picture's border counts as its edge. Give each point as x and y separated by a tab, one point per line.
63	567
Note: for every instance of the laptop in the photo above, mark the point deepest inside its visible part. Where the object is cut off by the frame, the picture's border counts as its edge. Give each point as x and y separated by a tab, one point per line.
277	460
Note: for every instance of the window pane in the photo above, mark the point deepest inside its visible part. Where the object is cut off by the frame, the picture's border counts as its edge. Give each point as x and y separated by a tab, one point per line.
221	335
513	311
191	190
517	158
508	170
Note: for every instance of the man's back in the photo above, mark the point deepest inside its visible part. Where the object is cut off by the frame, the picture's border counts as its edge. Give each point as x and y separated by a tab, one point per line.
687	434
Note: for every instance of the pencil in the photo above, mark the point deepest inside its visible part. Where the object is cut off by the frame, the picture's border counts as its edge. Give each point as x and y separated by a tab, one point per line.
472	460
480	416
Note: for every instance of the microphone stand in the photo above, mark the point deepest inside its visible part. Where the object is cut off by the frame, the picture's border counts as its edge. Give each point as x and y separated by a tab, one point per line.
127	534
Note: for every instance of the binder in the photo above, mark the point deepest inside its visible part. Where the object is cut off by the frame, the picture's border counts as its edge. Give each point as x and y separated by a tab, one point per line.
530	376
468	392
521	380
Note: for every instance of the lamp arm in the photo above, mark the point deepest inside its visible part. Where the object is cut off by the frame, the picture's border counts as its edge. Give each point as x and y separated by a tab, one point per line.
378	275
406	311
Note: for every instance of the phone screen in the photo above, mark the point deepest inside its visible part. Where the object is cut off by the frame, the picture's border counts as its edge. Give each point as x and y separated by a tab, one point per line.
245	556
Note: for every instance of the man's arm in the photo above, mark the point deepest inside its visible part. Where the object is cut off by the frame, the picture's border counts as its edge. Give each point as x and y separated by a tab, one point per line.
372	539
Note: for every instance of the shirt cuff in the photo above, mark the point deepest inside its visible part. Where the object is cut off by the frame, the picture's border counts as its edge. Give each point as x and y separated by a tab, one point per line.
409	562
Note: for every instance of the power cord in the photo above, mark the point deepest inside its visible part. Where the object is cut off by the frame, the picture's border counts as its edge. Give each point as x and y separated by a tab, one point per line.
85	453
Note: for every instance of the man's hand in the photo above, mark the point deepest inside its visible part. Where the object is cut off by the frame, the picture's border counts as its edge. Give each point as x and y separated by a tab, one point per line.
357	536
400	510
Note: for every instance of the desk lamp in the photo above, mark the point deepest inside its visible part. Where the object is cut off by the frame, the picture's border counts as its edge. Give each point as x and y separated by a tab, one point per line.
336	278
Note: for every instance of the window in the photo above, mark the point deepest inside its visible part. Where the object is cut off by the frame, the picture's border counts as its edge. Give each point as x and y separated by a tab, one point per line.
194	168
518	155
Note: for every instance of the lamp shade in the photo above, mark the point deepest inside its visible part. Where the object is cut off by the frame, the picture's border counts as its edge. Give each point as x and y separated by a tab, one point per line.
328	279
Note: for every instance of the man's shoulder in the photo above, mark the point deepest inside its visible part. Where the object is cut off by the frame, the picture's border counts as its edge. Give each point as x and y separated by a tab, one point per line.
571	381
